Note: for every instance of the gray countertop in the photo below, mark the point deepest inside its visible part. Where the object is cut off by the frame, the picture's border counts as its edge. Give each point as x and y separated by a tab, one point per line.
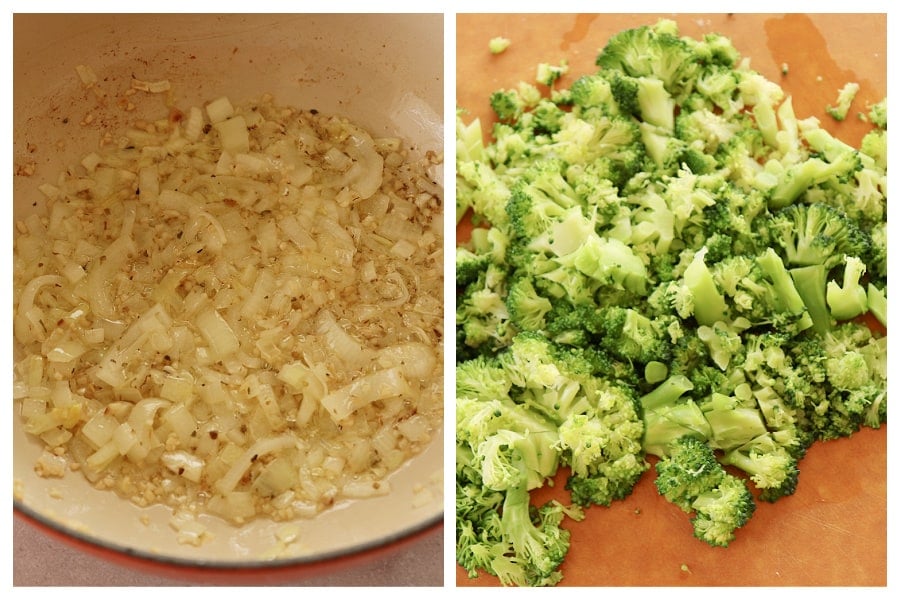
42	560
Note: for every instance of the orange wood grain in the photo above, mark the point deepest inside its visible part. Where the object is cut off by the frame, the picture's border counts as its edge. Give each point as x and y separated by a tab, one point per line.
833	530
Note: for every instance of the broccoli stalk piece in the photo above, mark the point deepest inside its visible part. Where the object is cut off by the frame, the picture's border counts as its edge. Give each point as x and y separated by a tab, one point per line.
811	282
877	299
849	299
691	478
733	420
709	304
669	415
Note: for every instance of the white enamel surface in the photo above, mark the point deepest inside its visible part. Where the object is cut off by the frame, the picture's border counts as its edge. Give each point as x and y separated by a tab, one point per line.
383	72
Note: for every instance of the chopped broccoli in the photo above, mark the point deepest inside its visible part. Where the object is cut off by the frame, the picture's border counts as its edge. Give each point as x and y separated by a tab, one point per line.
667	262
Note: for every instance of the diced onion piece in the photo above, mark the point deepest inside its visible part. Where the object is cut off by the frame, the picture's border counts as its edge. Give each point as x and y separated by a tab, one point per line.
218	334
264	446
220	109
234	135
364	390
184	464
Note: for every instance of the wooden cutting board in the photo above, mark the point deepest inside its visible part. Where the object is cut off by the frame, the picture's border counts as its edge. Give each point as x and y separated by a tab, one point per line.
833	530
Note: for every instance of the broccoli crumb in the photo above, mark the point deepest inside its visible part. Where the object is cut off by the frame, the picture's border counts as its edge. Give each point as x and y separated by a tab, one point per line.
498	44
548	74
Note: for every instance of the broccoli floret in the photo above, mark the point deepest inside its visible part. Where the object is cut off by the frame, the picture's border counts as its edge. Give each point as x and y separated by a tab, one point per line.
585	136
818	233
469	266
603	449
527	309
723	340
482	319
686	471
481	378
846	94
507	104
874	145
707	128
848	299
771	467
502	534
878	113
856	370
599	427
479	187
764	292
550	379
722	510
691	478
718	84
629	335
508	441
653	51
536	539
594	90
548	74
540	198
